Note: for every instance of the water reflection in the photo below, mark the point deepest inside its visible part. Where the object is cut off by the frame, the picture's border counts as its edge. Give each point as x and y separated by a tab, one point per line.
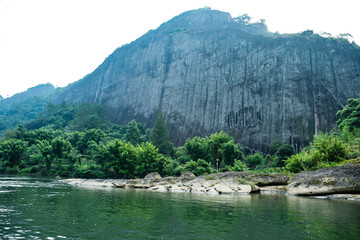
44	209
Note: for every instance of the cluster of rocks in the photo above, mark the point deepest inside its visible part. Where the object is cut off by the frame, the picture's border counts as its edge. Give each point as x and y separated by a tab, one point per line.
331	183
216	183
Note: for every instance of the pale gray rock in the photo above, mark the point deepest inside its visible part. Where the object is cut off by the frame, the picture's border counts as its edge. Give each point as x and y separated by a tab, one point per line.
152	175
272	189
353	197
332	183
210	183
345	179
265	179
199	189
159	188
223	188
143	185
179	188
119	185
212	191
243	188
187	176
134	183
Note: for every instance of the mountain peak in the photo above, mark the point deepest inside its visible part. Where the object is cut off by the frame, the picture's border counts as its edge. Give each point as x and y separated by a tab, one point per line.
41	90
197	18
209	72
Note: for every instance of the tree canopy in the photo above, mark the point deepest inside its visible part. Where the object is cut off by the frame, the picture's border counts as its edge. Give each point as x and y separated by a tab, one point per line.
349	116
159	135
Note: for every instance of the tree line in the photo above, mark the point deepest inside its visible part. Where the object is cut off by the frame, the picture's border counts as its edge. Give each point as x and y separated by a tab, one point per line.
77	141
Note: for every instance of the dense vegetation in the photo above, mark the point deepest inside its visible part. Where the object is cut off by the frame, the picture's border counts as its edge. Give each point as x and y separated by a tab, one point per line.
23	107
20	112
77	141
339	147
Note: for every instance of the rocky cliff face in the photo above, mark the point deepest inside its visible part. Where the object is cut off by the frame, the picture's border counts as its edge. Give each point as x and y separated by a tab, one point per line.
208	73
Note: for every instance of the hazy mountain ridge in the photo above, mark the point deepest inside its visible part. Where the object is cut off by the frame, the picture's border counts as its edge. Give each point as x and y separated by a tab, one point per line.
209	73
41	90
24	106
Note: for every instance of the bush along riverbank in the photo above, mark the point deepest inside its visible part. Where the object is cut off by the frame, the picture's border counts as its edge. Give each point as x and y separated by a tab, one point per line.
342	182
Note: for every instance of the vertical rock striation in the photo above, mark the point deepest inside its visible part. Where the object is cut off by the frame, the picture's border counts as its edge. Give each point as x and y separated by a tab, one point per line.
208	73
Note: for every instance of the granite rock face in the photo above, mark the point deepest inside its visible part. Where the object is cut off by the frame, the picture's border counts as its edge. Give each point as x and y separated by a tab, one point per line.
208	73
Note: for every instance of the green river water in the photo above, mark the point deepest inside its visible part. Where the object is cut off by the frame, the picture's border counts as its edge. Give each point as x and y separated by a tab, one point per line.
40	208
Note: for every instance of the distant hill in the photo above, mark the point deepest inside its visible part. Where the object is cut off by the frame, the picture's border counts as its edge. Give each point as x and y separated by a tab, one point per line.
209	72
24	107
42	90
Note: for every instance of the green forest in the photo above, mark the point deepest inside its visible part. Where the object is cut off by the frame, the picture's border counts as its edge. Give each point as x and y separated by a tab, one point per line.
70	140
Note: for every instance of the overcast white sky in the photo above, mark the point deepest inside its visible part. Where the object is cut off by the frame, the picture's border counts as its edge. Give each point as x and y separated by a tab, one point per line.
60	41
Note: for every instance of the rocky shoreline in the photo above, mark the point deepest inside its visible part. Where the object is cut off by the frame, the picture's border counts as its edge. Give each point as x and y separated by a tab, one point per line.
331	183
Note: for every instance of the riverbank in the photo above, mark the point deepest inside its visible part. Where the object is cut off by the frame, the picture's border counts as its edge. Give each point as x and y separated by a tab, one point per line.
216	183
332	183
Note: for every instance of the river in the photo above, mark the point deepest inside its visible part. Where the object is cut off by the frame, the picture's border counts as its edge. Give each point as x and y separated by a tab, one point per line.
40	208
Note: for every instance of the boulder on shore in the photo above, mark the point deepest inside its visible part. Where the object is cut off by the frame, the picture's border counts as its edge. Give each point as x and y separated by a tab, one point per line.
152	175
267	179
187	176
341	179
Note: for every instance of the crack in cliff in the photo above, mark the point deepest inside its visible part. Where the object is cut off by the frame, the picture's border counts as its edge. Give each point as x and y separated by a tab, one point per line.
167	61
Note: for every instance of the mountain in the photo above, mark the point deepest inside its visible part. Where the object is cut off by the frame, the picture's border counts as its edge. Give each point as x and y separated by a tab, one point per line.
41	90
209	72
23	107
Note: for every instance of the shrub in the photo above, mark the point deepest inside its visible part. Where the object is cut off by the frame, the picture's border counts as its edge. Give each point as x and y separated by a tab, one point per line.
326	151
283	152
172	168
328	148
200	167
349	116
254	160
229	152
238	166
197	148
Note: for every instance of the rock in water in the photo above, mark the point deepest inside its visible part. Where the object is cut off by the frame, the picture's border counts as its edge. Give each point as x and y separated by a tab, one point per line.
345	179
208	72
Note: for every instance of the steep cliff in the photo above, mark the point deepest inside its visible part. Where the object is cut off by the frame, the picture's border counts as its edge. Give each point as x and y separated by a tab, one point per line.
208	73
